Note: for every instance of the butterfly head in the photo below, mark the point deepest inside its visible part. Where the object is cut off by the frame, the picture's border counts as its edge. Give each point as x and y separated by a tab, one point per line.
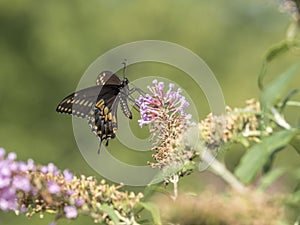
125	82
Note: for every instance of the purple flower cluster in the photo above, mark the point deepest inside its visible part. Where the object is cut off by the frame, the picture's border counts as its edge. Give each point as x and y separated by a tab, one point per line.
13	178
168	103
30	189
16	177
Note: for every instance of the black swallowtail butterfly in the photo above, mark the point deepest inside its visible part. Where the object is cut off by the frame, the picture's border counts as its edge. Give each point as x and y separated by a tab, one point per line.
99	104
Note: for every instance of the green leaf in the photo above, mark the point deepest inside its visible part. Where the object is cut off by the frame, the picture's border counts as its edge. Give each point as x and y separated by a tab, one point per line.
267	180
277	50
111	213
287	98
258	155
274	52
268	165
296	173
153	210
261	75
296	143
274	91
293	199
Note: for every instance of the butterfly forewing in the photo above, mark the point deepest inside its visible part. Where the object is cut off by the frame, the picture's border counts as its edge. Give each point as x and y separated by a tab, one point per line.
108	78
79	103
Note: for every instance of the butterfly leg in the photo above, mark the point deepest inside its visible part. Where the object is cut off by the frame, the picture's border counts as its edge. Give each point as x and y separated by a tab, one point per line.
131	91
99	149
100	144
136	89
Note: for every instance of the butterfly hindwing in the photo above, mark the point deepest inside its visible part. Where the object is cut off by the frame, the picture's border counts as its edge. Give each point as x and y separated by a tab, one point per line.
103	120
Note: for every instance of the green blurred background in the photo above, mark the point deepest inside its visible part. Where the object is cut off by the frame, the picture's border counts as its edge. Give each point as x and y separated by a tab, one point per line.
45	47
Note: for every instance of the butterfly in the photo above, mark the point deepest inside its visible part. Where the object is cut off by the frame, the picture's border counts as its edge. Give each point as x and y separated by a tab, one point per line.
99	104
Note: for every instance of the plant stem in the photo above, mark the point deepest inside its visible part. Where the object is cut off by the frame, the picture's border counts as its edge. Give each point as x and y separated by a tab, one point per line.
220	170
293	103
175	180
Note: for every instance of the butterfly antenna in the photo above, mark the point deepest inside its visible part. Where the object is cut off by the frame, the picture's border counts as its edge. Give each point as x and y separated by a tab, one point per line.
124	67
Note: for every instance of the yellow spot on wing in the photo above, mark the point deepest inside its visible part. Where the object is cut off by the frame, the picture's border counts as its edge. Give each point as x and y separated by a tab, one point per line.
105	110
109	116
100	103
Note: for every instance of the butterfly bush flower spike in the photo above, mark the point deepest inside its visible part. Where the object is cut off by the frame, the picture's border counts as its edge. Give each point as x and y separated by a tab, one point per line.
164	112
237	125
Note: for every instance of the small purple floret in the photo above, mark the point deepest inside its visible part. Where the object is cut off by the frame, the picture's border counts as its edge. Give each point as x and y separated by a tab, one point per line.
44	169
22	183
2	152
68	175
53	187
79	202
11	156
71	212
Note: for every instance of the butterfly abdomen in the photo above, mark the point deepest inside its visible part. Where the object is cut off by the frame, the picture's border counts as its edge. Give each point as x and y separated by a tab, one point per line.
124	106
